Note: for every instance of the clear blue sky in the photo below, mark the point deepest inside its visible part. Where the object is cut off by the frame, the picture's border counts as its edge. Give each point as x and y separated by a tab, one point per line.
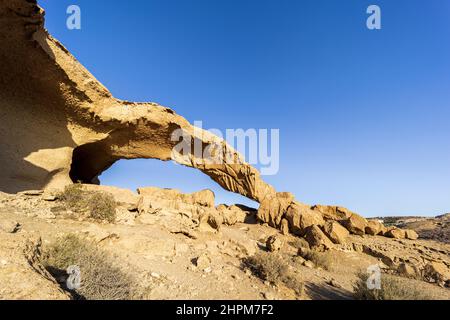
364	116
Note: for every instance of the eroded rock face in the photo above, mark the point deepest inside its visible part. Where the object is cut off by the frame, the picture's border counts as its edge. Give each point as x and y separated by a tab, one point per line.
300	217
334	213
395	233
273	208
61	125
235	214
356	224
337	233
374	227
317	239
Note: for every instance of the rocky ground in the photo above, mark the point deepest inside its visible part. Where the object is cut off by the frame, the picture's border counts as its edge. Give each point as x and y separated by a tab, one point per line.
163	239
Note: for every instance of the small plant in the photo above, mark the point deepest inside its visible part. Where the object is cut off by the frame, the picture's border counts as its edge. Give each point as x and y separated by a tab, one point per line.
73	196
298	243
272	268
392	288
100	278
268	267
102	206
97	205
325	260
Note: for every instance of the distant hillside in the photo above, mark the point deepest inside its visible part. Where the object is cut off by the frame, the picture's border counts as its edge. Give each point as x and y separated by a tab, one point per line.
437	228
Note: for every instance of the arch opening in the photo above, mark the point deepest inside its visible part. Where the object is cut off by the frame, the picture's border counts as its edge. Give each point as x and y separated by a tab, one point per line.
89	161
137	173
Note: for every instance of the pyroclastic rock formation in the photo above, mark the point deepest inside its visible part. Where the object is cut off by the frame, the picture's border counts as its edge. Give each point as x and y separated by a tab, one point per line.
60	125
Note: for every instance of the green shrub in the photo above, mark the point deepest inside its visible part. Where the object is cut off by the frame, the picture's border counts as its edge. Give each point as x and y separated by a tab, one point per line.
101	278
392	288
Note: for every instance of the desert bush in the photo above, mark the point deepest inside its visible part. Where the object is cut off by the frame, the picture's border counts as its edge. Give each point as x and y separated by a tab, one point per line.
298	243
102	206
101	278
392	288
272	268
73	196
325	260
98	205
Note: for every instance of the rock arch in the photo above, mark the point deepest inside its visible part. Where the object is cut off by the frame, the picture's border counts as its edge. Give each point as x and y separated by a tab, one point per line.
59	124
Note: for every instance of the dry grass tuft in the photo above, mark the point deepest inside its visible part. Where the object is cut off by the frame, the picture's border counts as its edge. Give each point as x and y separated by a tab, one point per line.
299	243
325	260
272	268
392	288
101	278
98	205
102	206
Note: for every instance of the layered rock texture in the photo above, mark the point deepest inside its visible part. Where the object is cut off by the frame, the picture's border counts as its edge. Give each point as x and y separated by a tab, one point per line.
61	125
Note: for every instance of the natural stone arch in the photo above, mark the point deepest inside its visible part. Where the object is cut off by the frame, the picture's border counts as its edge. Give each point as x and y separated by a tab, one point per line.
63	125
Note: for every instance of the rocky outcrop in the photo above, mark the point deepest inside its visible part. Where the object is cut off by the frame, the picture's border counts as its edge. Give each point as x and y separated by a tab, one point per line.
333	212
300	217
356	224
373	227
317	239
337	233
61	125
411	235
235	214
153	200
395	233
274	243
274	207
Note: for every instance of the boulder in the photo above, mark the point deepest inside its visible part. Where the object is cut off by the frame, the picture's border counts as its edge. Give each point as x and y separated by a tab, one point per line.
374	227
215	220
337	233
274	207
203	261
125	216
284	227
205	198
408	270
355	224
300	217
333	212
9	226
411	235
395	233
144	206
317	239
436	272
234	214
274	243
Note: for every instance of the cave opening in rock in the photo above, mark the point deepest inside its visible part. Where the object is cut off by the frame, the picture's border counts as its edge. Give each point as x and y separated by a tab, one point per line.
132	174
89	161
